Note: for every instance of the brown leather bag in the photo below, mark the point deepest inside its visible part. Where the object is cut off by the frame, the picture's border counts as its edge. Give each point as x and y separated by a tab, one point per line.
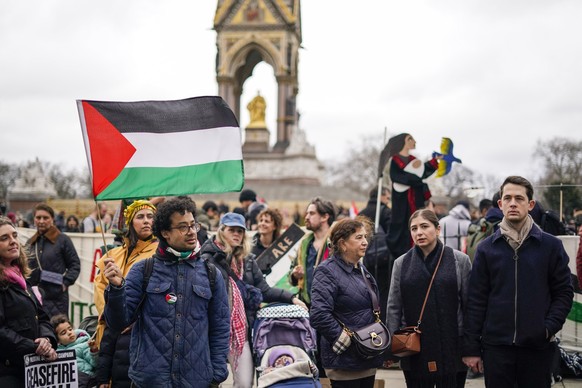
406	341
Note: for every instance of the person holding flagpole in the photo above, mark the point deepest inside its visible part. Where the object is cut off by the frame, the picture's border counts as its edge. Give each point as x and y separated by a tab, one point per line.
180	337
139	243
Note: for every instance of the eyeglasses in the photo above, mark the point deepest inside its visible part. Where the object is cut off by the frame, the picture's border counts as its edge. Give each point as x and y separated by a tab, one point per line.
184	229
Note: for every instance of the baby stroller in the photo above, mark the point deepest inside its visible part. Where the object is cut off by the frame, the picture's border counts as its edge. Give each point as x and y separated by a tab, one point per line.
284	329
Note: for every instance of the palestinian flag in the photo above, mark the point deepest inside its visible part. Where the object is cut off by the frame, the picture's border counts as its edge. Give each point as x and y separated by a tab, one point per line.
159	148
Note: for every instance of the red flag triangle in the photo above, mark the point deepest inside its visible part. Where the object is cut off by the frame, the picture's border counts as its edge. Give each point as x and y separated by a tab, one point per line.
110	150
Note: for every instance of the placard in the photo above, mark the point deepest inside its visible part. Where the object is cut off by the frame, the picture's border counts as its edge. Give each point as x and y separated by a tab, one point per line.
61	373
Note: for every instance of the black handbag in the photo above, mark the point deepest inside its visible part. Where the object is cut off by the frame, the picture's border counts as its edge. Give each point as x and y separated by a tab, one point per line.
374	339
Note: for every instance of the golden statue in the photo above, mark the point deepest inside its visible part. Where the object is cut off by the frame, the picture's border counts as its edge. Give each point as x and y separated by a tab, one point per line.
257	108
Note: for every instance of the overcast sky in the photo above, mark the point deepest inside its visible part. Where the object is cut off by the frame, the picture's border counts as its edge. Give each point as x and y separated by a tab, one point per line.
495	76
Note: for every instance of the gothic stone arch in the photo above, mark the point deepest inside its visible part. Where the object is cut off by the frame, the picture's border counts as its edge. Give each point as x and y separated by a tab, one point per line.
245	38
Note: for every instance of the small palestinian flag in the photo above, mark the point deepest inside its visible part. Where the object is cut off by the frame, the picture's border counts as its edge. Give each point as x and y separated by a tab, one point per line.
161	148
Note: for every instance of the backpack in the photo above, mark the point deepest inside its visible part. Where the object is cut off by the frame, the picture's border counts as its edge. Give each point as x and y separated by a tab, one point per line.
477	233
89	324
550	223
148	268
377	255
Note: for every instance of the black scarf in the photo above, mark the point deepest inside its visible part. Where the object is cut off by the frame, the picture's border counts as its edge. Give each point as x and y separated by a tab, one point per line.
440	333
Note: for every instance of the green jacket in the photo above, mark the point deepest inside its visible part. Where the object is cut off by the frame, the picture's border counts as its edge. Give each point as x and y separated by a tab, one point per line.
301	259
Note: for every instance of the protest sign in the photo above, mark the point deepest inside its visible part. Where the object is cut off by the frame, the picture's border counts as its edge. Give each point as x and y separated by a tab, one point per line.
61	373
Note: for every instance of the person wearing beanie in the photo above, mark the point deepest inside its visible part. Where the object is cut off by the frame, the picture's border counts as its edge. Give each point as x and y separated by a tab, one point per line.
280	357
139	243
248	200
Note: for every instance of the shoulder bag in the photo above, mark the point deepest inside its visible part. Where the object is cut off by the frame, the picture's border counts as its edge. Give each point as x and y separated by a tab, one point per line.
374	339
406	341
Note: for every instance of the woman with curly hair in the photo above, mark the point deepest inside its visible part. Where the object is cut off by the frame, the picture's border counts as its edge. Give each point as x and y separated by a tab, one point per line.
269	223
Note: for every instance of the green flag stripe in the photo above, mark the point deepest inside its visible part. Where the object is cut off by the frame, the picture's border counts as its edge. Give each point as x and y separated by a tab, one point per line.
576	312
139	182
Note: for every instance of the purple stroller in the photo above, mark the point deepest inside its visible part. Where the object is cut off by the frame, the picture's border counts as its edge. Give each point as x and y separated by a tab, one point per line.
285	326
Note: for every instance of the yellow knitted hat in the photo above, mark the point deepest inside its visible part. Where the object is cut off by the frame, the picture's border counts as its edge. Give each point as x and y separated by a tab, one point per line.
136	206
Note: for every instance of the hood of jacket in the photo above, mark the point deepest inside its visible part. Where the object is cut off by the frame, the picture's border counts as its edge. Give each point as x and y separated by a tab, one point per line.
460	212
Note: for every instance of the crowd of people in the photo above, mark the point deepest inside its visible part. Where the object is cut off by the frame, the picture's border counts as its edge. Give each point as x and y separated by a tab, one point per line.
180	271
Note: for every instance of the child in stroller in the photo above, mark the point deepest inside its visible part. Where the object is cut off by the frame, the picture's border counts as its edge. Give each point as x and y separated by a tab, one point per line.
284	346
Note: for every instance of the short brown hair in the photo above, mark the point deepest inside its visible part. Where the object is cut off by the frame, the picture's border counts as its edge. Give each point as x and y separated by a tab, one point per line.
342	230
46	208
324	207
520	181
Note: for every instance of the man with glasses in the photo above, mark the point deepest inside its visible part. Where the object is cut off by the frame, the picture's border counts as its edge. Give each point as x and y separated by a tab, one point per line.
182	320
314	248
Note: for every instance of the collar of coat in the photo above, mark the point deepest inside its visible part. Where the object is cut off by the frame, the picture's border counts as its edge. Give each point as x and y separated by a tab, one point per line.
52	234
347	267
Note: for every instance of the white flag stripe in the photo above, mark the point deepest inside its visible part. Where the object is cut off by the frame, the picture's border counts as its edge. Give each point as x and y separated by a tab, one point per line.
178	149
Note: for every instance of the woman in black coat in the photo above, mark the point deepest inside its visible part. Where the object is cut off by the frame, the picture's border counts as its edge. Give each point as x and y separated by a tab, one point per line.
24	325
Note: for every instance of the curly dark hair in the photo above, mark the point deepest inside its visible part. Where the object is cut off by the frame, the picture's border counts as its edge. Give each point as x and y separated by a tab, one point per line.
277	220
162	221
56	320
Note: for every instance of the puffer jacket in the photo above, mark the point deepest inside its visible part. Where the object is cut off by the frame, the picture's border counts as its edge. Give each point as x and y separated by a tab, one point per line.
22	320
182	344
86	360
113	361
339	292
520	297
251	275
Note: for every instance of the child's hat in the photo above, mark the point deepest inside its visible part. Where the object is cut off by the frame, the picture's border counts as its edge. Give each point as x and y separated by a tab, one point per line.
276	353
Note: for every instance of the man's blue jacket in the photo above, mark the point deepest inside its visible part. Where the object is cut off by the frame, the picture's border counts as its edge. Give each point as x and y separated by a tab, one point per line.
180	337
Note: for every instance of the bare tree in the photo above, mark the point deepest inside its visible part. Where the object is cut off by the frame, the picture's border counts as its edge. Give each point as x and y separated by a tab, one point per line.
358	168
8	174
562	165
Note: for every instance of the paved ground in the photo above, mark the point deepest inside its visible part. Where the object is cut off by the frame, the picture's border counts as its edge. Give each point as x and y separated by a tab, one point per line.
393	378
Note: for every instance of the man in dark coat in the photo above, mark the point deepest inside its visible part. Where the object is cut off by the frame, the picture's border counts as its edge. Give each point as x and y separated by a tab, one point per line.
385	212
379	268
520	294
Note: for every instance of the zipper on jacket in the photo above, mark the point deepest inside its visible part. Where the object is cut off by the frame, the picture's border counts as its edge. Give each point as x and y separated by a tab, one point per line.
515	259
